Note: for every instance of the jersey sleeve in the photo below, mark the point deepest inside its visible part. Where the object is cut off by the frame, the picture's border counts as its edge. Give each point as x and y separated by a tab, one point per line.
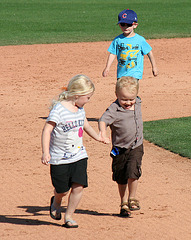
113	47
146	48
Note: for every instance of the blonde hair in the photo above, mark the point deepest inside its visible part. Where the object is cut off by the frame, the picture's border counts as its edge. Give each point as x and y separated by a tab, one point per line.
78	85
130	83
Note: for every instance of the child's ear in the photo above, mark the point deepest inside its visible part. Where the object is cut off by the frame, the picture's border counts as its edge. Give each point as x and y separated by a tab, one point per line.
76	97
135	25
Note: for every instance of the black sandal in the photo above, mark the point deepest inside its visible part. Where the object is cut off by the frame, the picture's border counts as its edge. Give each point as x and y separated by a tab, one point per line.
70	224
58	215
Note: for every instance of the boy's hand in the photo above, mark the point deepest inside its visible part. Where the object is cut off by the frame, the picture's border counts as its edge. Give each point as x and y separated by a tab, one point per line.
104	139
110	60
155	71
45	158
105	72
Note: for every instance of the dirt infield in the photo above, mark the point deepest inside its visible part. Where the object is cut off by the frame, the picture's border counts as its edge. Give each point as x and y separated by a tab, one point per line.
30	77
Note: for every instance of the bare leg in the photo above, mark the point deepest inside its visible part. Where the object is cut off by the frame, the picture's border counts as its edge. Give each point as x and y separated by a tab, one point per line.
58	199
74	199
124	212
132	185
123	192
133	202
56	205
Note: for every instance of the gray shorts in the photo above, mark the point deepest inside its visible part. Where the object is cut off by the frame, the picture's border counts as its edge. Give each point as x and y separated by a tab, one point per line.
65	174
127	165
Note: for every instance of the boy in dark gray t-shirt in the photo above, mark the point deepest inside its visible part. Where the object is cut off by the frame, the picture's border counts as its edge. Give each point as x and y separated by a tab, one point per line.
125	120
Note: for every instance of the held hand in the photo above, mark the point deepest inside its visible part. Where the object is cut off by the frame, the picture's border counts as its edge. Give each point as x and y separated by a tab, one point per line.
45	158
107	140
104	139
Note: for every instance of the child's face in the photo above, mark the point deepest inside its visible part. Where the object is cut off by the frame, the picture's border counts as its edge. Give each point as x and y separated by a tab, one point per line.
82	100
128	29
125	98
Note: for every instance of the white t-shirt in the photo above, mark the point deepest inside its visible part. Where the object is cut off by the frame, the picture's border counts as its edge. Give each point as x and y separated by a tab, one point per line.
66	143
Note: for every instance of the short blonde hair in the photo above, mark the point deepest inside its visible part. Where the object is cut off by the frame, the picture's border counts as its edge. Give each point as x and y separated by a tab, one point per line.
78	85
130	83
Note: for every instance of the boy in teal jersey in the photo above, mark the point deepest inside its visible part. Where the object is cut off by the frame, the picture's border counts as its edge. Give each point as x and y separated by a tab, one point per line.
130	48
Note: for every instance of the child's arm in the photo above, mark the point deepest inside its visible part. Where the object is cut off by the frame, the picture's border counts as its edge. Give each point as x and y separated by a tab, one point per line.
110	60
92	133
103	128
46	133
153	63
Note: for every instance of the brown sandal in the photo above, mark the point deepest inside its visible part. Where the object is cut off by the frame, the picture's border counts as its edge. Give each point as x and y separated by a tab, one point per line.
125	212
133	204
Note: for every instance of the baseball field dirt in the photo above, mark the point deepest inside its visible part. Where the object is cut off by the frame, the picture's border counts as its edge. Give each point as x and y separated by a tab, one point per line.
31	76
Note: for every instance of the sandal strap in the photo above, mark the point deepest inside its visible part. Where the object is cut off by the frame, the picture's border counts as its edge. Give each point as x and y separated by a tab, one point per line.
71	221
133	202
125	211
124	204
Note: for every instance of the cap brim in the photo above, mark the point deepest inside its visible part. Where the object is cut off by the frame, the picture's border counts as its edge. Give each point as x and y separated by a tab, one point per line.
128	22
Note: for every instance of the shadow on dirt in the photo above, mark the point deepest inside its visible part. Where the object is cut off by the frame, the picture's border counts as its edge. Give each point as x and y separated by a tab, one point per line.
24	219
12	219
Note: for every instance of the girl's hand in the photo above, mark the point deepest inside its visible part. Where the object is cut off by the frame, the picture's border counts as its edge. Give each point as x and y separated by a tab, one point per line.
45	158
107	140
104	139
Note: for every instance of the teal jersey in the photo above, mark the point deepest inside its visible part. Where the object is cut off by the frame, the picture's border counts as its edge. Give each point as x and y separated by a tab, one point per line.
130	55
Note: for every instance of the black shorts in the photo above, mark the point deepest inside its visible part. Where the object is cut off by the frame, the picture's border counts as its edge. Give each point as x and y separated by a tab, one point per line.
127	165
64	175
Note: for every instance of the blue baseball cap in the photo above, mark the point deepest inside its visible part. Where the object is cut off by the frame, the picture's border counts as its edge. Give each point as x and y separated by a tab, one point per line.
127	16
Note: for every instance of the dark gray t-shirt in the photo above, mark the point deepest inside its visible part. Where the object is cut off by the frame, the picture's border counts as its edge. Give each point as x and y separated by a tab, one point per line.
126	125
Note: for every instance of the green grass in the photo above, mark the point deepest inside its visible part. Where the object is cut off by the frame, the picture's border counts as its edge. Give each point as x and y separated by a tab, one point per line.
56	21
171	134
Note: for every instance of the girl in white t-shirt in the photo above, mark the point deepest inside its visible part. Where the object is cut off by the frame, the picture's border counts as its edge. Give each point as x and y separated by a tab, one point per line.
62	146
